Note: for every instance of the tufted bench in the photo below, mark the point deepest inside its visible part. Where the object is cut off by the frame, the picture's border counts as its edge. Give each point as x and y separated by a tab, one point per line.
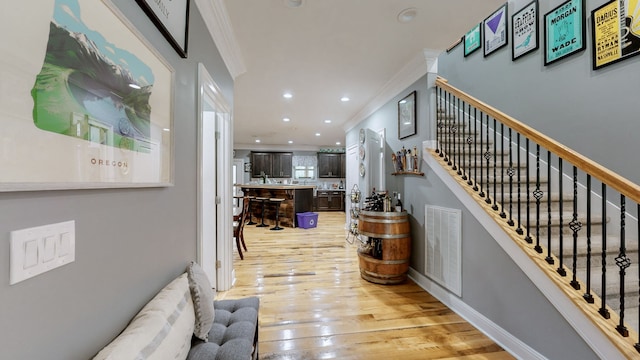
234	333
184	322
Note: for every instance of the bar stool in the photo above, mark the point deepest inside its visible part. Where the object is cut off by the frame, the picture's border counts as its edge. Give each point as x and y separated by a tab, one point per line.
277	203
251	222
263	199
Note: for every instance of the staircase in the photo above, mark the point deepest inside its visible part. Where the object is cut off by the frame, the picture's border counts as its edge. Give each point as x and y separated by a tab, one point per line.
484	158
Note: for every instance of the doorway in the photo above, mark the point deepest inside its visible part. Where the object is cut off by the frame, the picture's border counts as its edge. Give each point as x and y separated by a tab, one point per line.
214	221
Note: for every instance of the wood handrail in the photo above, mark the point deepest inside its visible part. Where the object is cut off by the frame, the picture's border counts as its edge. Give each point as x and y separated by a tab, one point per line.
610	178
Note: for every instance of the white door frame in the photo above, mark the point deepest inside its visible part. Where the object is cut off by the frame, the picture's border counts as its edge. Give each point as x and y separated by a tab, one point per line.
214	205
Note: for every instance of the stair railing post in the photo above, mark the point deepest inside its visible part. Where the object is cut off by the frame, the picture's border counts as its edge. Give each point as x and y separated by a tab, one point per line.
623	262
575	226
603	307
588	297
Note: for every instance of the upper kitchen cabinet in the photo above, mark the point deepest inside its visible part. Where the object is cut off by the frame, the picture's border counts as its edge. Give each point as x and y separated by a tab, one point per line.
271	164
281	165
331	165
260	164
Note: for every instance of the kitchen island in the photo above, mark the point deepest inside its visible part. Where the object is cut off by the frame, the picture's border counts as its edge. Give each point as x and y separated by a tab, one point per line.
297	199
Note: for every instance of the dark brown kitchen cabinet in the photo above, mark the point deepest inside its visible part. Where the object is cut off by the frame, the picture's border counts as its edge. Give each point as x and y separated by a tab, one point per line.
260	164
271	164
330	165
330	200
281	165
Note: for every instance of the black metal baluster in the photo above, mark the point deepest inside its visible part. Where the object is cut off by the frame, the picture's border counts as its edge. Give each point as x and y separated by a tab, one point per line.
519	230
637	345
603	308
549	258
439	119
537	194
623	262
575	226
454	129
470	140
495	166
511	171
441	114
587	295
561	270
502	213
461	133
475	150
487	156
447	156
528	238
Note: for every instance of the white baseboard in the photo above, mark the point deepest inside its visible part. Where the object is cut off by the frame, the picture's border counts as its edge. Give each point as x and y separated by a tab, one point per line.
503	338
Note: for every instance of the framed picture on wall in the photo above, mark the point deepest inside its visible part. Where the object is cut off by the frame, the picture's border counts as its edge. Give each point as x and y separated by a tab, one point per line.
615	38
564	31
494	30
172	19
407	116
94	108
524	29
472	40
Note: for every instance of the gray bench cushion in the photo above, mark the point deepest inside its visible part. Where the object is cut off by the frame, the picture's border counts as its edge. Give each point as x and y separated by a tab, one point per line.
234	333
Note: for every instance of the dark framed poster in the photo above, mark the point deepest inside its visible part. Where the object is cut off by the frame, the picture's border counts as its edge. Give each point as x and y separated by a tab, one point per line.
494	30
472	40
564	31
171	17
524	29
615	30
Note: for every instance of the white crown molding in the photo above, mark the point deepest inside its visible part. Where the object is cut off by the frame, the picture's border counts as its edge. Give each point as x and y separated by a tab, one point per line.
217	21
410	73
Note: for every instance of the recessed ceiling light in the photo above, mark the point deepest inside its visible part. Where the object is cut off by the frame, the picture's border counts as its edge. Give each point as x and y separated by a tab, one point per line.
286	119
337	142
287	95
293	3
407	15
327	121
317	134
290	141
257	140
344	99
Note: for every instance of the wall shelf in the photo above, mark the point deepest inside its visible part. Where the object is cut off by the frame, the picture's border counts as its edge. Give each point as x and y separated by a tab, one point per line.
408	173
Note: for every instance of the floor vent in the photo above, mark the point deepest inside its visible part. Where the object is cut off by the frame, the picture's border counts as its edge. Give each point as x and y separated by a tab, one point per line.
443	254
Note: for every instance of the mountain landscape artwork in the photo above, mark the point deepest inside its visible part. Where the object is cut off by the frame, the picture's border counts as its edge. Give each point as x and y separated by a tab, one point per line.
90	88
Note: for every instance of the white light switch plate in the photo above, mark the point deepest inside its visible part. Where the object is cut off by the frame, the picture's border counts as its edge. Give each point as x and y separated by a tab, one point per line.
40	249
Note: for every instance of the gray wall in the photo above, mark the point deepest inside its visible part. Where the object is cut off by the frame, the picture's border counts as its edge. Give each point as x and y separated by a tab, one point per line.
592	112
129	242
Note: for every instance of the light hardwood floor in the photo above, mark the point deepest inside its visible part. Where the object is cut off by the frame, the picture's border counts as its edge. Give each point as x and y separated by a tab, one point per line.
315	305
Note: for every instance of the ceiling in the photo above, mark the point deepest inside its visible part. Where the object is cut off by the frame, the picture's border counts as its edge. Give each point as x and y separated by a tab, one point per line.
324	50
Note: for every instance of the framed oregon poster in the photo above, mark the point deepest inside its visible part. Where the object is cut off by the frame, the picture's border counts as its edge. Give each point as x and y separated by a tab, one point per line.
564	31
615	30
91	104
472	40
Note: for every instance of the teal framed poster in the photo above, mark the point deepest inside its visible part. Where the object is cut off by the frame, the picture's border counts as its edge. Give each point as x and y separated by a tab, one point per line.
564	31
472	40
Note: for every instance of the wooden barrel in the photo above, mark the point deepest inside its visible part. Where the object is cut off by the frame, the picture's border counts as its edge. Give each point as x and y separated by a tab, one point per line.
394	230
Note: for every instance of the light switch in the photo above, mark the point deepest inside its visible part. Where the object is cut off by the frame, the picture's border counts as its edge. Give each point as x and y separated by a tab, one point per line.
36	250
65	244
30	253
49	248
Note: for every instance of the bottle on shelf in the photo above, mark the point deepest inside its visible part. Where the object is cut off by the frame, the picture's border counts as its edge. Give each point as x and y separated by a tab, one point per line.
398	207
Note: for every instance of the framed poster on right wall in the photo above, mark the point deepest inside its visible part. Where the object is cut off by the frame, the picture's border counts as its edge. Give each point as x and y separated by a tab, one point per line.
564	31
615	30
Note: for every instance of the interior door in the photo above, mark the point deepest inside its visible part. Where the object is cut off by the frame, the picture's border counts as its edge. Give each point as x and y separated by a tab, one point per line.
214	216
